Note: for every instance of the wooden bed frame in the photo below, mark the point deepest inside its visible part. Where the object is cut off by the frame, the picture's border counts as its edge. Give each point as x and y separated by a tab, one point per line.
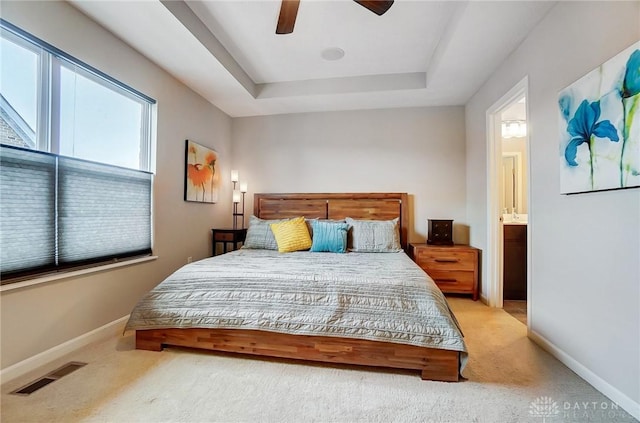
434	364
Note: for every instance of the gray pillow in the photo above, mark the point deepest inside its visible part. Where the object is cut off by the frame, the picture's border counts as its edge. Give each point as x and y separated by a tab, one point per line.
259	235
374	236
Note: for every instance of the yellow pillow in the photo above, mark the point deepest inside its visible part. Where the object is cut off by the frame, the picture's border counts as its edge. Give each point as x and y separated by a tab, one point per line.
291	235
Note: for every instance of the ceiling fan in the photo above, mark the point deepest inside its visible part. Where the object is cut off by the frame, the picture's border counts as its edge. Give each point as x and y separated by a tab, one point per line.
289	11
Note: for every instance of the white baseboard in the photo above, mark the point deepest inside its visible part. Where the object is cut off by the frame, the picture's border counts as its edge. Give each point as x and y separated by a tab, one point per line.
25	366
629	405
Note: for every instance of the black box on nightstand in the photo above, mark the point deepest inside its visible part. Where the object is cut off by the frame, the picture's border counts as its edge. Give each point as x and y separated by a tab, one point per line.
440	232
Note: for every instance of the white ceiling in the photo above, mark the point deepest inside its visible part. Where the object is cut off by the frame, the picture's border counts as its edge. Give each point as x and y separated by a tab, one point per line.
373	44
420	53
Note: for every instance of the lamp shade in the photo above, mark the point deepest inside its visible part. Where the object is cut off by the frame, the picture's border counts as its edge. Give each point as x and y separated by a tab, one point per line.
237	196
234	176
243	187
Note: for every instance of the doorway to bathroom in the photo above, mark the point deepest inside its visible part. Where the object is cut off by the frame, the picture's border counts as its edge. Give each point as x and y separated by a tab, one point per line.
508	203
514	205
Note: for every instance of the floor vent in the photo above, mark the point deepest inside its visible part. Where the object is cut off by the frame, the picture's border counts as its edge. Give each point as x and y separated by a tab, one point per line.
50	377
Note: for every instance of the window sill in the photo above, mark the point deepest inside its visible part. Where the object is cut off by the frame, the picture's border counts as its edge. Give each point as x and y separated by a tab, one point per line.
72	274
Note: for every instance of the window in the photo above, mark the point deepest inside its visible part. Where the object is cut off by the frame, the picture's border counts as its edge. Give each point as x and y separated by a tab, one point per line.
19	72
74	161
99	121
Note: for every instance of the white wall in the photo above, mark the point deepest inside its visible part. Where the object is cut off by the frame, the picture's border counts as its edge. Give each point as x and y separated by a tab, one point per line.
40	317
585	255
420	151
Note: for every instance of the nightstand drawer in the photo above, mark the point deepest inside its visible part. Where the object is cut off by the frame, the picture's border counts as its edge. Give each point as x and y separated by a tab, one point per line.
453	268
446	260
224	236
457	280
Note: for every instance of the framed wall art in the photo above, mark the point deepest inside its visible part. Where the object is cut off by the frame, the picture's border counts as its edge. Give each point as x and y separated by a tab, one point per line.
600	127
201	173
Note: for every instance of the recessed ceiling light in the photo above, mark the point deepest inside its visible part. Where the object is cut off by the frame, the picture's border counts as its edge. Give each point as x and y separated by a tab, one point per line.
332	53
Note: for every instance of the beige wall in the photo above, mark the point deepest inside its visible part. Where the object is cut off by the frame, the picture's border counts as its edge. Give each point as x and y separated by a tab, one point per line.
585	267
420	151
40	317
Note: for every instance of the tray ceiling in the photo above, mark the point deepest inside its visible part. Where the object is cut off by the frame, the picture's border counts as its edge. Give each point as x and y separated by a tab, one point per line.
419	53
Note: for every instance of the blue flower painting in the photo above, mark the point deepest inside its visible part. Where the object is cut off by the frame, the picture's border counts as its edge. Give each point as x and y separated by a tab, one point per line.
600	127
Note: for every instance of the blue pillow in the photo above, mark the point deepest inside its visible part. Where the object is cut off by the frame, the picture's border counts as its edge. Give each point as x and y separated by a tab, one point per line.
329	237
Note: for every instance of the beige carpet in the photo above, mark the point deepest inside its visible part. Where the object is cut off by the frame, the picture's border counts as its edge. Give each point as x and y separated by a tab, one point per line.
509	380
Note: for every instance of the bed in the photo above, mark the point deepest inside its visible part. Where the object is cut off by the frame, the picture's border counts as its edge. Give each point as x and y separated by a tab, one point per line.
366	309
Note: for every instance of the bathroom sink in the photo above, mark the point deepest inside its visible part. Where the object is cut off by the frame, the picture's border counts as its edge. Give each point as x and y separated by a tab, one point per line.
515	219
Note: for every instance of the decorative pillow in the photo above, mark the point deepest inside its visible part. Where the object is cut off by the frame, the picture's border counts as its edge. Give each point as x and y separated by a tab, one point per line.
291	235
329	236
259	235
374	236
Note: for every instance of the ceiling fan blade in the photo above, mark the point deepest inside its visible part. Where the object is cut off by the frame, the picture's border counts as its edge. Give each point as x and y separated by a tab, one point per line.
287	18
379	7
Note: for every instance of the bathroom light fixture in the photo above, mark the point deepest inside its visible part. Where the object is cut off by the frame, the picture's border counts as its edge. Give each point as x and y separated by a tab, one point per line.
514	128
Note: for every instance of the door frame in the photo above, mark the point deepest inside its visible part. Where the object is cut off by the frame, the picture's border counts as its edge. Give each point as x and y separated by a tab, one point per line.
494	181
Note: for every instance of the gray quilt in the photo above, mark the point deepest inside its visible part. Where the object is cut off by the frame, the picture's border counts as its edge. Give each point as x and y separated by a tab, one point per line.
373	296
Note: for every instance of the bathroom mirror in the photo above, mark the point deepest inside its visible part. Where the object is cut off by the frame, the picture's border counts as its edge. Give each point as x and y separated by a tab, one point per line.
512	183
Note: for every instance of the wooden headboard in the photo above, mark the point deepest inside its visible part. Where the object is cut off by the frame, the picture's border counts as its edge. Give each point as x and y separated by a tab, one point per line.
337	206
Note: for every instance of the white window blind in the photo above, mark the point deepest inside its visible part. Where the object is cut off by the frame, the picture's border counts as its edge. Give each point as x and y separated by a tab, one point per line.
60	211
103	211
27	210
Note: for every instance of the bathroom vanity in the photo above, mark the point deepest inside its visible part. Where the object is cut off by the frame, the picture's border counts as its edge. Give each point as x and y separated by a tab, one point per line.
515	260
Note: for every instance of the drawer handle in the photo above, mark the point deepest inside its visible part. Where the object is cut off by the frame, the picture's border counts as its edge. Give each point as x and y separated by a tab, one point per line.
447	260
447	280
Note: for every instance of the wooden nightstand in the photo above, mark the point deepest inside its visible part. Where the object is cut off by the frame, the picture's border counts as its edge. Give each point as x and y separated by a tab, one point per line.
453	268
227	236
